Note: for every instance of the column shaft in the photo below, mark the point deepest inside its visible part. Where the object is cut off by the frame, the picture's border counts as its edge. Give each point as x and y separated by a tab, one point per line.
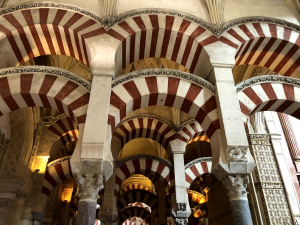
161	194
289	135
86	213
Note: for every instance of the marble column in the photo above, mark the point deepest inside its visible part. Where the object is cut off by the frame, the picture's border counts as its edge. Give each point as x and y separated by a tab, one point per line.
161	195
180	207
89	186
236	186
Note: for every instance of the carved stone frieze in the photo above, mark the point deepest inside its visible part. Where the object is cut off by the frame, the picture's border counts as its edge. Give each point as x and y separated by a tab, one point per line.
267	181
89	186
236	186
167	163
164	72
238	154
49	70
198	160
266	79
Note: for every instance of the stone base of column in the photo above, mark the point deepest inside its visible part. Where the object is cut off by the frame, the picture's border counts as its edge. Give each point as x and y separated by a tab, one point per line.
241	212
86	213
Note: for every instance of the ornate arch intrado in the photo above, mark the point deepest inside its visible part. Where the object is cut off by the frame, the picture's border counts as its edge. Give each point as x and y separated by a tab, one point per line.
255	43
44	87
140	212
269	93
196	168
183	91
153	167
133	196
57	171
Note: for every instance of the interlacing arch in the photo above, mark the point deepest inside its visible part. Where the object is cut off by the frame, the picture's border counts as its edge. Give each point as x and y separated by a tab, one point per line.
192	131
196	168
166	90
264	44
57	171
66	130
135	211
269	93
145	126
153	167
22	87
133	196
31	30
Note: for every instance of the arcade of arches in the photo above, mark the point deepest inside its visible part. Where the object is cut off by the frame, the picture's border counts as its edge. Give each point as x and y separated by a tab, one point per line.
150	112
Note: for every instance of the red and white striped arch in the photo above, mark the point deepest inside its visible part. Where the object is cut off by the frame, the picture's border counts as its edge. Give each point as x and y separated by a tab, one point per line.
196	197
193	132
149	167
65	129
134	187
135	211
165	91
146	127
140	196
267	45
163	36
44	90
32	32
57	172
197	168
277	97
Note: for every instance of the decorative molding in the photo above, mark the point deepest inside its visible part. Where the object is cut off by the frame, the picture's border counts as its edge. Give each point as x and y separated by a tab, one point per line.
238	154
236	186
164	72
199	160
147	116
27	5
50	120
143	156
107	21
181	206
266	79
55	162
49	70
255	19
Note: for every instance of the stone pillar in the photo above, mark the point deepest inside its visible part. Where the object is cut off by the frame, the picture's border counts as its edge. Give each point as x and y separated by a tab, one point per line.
236	186
180	207
290	139
66	198
89	157
153	218
5	202
89	186
161	197
268	183
108	213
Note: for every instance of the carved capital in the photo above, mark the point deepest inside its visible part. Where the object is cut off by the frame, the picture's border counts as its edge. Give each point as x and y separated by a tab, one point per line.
5	204
238	154
236	187
89	186
181	221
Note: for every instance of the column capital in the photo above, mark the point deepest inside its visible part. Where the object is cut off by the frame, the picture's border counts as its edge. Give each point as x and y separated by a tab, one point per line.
236	186
181	221
89	186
